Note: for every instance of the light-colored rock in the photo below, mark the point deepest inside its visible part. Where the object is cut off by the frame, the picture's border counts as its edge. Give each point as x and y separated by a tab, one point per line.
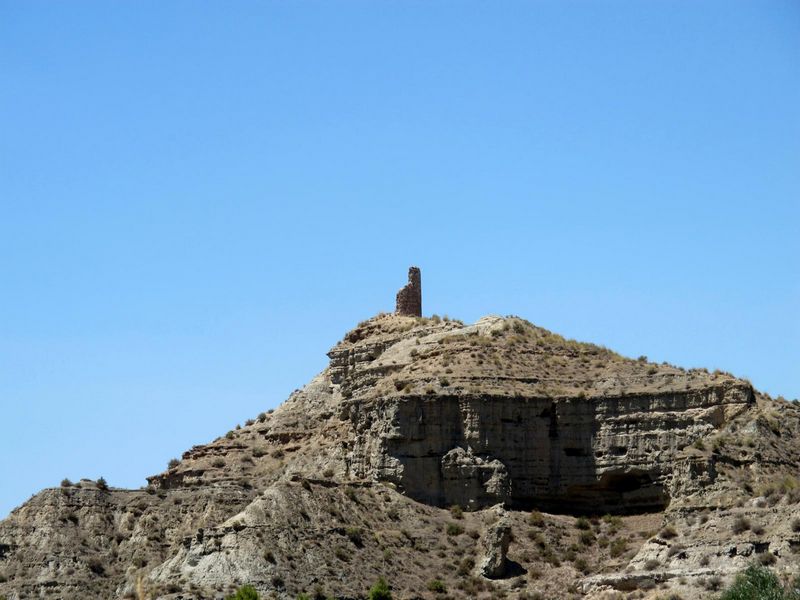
495	543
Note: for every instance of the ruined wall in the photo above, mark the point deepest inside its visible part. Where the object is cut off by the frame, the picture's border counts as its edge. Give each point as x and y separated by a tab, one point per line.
409	298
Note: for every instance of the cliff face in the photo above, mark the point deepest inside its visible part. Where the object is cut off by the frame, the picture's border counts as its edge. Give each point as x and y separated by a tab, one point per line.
477	439
579	455
354	475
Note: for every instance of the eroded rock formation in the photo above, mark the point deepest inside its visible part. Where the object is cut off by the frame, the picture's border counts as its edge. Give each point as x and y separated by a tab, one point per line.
475	440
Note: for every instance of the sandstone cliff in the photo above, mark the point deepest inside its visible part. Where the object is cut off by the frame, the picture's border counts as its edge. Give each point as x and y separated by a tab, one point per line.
480	456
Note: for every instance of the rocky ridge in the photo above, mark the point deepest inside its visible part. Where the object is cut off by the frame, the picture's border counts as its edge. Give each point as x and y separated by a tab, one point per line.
498	459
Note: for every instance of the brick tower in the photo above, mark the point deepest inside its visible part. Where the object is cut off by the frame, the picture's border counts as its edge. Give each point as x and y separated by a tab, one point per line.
409	298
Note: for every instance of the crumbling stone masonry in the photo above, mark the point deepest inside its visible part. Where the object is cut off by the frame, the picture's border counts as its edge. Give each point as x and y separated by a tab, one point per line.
409	299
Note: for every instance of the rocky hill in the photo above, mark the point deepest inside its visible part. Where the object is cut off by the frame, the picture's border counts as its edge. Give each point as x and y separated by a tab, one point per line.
492	460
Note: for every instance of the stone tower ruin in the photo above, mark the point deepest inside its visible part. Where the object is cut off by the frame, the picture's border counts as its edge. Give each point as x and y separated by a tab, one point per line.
409	298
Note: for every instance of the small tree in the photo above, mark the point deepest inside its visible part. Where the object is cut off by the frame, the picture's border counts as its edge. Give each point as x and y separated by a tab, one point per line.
173	462
380	591
102	484
66	482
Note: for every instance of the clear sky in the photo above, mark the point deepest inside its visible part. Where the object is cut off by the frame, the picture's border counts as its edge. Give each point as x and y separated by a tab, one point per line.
197	199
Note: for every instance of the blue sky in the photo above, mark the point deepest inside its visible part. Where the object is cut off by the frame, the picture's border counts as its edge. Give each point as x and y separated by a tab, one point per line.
197	199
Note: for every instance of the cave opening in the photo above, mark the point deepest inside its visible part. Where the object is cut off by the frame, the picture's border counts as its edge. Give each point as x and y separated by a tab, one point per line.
617	493
624	482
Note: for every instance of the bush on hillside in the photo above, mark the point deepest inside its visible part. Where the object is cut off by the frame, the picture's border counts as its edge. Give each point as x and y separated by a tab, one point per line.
246	592
380	591
759	583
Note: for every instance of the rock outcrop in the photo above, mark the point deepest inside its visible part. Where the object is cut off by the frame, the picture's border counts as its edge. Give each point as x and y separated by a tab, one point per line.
457	434
425	452
494	563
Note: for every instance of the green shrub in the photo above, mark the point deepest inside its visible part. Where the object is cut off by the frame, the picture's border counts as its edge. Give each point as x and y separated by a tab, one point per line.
173	462
582	523
758	583
380	591
102	484
66	482
454	529
437	586
246	592
457	511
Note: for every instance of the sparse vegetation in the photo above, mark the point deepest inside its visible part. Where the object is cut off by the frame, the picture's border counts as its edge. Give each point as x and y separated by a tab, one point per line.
667	533
437	586
246	592
380	591
586	538
536	519
465	566
342	554
741	524
581	565
618	547
454	529
354	535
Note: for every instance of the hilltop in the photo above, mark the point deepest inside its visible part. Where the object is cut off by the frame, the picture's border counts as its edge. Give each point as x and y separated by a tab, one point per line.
490	460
